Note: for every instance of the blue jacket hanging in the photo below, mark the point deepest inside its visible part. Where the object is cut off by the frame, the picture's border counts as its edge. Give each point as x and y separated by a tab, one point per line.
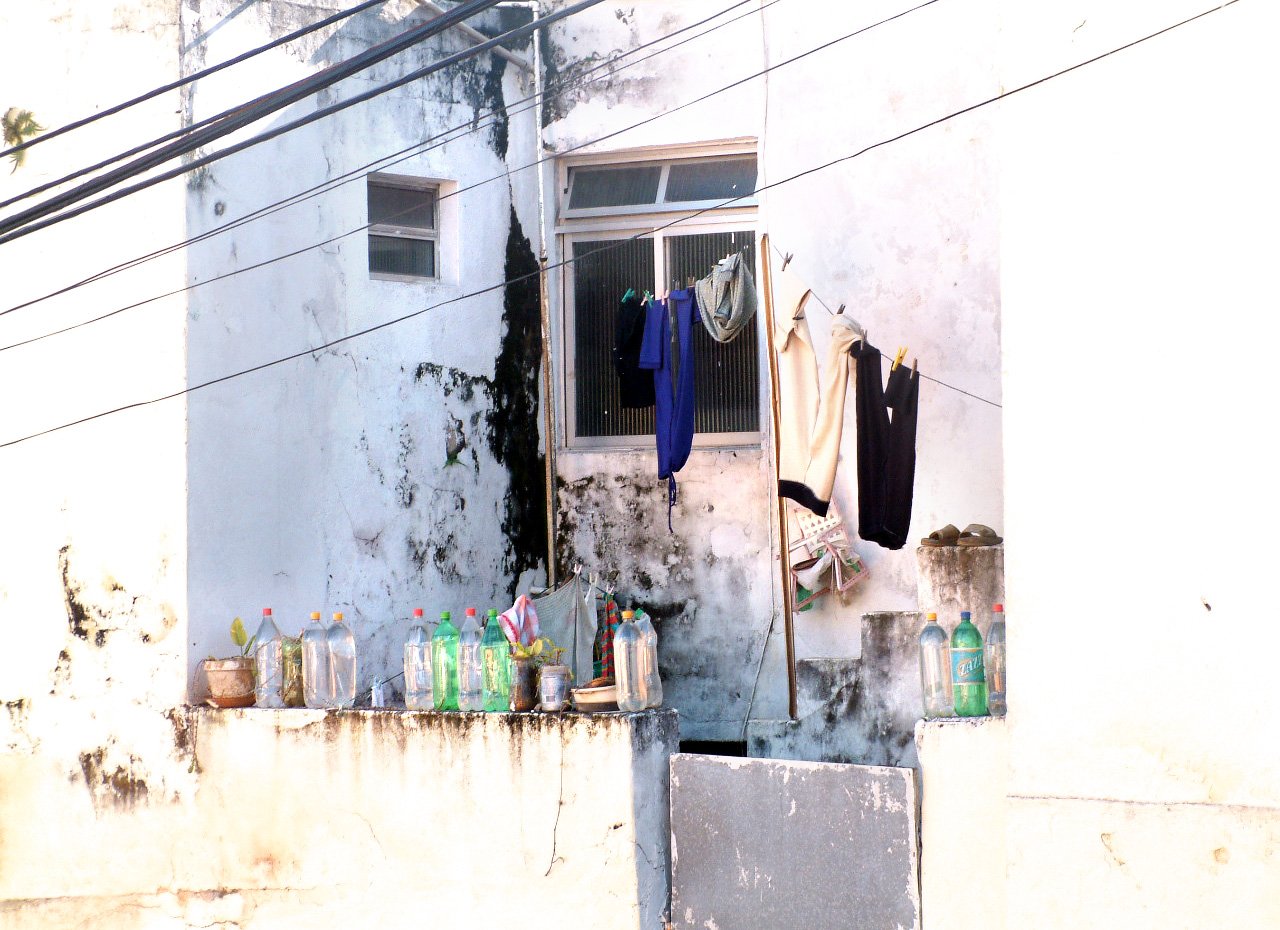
674	408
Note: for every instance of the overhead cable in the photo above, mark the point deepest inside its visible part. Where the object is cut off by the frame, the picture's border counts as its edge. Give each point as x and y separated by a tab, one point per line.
181	82
25	221
462	190
417	148
620	243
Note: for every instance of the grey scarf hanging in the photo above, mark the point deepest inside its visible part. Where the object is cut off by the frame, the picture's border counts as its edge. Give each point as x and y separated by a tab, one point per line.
727	298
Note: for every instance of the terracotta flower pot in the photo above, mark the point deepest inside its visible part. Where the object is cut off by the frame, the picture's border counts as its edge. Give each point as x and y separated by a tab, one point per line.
230	681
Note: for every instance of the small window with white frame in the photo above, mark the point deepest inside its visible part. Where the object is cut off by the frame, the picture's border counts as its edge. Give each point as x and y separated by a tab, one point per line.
612	209
403	228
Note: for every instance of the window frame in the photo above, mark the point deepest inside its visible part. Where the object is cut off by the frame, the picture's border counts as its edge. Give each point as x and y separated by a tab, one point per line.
405	182
666	158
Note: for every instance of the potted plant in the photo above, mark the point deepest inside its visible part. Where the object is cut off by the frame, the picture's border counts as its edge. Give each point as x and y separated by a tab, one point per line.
553	678
231	680
524	685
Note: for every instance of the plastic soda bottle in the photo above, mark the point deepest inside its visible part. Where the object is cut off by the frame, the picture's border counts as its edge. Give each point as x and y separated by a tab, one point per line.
628	665
342	661
994	663
268	663
417	665
935	669
495	655
444	664
968	682
317	683
469	672
649	657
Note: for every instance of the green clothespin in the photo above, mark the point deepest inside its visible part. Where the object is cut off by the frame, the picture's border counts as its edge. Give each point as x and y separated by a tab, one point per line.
631	292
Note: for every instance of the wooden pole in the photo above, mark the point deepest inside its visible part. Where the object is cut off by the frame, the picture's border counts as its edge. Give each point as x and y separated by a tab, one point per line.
783	531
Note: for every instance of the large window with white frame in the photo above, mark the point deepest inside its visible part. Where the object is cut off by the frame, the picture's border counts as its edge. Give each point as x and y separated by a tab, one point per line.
605	213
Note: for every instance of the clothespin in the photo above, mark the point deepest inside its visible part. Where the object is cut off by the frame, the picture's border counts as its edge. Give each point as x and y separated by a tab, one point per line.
629	294
902	353
913	366
838	312
786	260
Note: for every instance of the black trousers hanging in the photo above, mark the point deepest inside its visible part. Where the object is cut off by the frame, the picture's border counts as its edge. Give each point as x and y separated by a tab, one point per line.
886	448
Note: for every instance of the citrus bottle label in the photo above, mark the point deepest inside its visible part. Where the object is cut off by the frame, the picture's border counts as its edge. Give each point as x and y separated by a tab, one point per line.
966	666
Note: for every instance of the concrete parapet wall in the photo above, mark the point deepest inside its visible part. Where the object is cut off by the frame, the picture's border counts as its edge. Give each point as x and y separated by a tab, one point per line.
313	819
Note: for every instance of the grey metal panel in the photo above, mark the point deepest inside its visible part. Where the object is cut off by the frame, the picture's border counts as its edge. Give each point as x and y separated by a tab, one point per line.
759	844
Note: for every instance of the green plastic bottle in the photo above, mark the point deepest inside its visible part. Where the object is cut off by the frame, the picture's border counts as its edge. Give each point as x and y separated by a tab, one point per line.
968	680
495	669
444	664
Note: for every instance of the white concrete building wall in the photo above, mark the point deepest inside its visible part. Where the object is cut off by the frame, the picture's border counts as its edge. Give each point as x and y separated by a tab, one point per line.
93	554
324	483
1138	238
905	235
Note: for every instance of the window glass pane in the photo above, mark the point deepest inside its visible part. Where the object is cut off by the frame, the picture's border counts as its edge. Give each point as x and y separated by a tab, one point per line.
711	179
396	255
598	285
401	206
613	187
727	375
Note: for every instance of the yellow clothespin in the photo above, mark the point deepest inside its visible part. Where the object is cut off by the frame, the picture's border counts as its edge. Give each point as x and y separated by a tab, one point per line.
902	353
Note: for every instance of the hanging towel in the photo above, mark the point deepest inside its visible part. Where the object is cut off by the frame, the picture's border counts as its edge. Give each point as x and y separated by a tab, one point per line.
563	616
727	298
674	408
886	449
797	399
635	386
824	443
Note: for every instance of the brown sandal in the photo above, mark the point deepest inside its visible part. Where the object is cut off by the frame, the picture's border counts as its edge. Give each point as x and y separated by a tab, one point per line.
946	536
975	534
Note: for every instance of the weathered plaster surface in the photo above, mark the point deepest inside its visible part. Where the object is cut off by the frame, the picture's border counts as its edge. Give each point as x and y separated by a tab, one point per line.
771	843
401	469
300	818
906	239
853	710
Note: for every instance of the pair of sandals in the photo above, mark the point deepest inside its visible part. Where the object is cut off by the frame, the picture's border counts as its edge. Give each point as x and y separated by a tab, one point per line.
973	535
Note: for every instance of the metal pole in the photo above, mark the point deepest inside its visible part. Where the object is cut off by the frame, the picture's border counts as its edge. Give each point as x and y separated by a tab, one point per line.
783	532
476	36
544	294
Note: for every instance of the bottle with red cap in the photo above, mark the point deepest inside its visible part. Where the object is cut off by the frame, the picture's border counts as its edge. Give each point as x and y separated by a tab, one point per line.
268	663
417	665
997	702
470	668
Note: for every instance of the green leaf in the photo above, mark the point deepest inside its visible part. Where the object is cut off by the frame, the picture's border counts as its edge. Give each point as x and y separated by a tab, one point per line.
238	634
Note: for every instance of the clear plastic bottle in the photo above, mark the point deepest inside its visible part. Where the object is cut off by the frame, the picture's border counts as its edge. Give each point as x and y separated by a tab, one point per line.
935	669
444	664
342	659
470	673
997	701
417	665
628	665
495	656
649	654
317	679
268	663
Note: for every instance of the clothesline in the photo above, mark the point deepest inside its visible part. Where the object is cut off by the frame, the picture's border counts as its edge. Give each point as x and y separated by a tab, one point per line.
826	307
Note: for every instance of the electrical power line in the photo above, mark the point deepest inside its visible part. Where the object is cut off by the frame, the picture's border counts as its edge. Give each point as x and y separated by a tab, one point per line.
497	177
212	69
408	152
38	217
779	252
619	243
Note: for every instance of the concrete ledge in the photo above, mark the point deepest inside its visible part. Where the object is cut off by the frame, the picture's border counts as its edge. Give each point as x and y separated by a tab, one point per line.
964	766
307	818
